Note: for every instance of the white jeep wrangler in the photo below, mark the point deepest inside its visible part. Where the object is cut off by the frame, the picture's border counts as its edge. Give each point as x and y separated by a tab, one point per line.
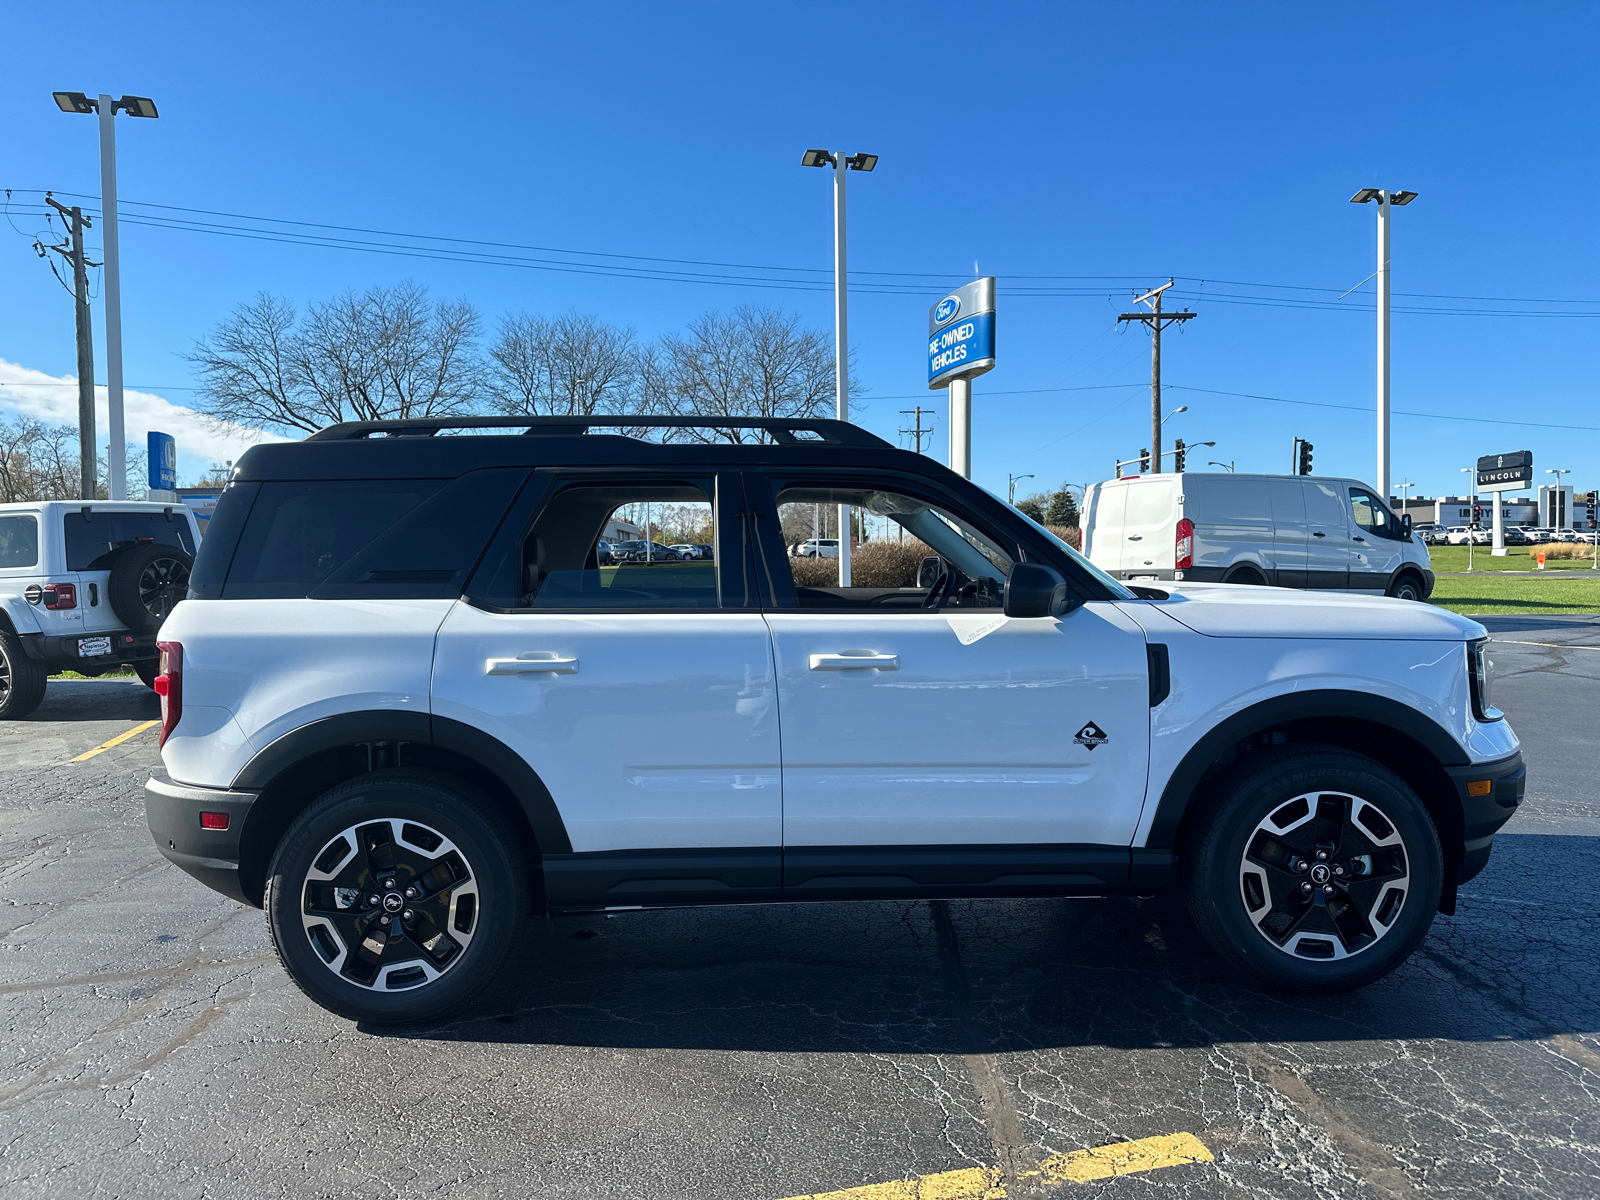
84	586
407	707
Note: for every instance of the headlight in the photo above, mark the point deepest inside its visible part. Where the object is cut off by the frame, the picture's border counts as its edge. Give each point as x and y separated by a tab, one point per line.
1479	672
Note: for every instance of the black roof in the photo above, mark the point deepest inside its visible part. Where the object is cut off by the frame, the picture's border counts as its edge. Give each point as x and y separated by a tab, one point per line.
432	449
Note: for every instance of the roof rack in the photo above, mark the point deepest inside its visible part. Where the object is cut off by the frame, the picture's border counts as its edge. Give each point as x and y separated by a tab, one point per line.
785	431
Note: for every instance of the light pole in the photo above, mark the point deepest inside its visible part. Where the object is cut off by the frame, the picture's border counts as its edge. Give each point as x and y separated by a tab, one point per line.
841	336
134	106
1472	512
1011	487
1555	499
1385	199
1182	408
1227	466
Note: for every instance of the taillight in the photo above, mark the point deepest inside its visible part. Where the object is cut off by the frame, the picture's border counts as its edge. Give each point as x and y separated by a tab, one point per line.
1184	547
169	686
61	595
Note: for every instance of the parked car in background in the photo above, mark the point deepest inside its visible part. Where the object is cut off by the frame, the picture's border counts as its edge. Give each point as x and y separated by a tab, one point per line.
1285	530
1438	535
639	551
691	550
84	586
603	554
817	548
1460	535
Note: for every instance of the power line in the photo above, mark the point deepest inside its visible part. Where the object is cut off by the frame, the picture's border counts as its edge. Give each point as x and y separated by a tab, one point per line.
1397	412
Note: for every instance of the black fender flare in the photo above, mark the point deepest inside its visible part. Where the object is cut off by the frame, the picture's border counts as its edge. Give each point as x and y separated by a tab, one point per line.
1279	710
401	725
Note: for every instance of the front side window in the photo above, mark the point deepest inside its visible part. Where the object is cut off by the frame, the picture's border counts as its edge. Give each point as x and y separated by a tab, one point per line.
1372	516
609	546
906	552
19	541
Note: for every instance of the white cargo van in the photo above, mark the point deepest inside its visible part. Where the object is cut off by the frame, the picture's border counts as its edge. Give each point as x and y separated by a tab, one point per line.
1286	530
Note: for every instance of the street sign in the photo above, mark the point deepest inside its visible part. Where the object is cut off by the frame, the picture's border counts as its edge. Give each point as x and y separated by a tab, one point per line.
1506	472
163	462
961	333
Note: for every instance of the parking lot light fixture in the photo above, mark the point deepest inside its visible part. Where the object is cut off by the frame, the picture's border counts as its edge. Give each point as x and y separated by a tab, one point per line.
1384	199
107	108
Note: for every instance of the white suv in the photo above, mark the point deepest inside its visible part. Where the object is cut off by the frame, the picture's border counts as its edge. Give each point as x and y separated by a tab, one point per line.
406	708
84	586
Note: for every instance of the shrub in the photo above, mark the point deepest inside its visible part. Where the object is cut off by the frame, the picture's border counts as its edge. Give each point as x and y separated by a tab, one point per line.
1564	550
815	572
1070	534
872	564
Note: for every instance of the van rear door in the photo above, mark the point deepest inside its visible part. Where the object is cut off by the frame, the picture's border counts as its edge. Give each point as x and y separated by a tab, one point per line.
1104	506
1149	526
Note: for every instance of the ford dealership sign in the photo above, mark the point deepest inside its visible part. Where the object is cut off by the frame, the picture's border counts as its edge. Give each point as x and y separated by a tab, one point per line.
961	333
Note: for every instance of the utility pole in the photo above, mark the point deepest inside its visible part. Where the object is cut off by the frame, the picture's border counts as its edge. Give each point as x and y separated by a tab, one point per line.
1157	321
72	251
917	431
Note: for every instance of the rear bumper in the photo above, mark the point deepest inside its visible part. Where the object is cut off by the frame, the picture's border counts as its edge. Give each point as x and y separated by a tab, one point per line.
62	649
173	810
1484	814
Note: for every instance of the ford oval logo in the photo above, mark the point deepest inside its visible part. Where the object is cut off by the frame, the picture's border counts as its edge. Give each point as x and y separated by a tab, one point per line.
948	308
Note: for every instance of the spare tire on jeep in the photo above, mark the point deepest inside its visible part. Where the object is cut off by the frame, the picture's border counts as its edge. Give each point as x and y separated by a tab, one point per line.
146	583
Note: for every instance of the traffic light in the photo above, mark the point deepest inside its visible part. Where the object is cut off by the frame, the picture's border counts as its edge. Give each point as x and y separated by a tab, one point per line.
1177	455
1305	458
1144	459
1477	514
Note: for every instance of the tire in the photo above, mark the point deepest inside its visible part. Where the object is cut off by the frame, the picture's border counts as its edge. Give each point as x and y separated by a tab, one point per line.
147	582
1407	587
147	671
415	825
22	680
1265	820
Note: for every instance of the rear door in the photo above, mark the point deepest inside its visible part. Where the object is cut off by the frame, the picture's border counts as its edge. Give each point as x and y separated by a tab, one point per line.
1328	529
1104	506
96	538
1149	527
641	694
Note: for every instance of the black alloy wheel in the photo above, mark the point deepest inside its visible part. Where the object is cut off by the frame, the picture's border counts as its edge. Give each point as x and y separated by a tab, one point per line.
22	680
1312	868
147	582
396	896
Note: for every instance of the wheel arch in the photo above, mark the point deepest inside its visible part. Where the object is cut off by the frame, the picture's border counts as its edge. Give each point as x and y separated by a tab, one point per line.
1415	572
301	765
1407	742
1245	566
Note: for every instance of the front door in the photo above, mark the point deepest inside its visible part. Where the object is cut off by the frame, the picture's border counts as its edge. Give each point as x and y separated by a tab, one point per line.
930	744
1377	549
640	693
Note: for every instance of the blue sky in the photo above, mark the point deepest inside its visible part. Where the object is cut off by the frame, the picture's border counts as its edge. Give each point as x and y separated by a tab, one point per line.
1115	144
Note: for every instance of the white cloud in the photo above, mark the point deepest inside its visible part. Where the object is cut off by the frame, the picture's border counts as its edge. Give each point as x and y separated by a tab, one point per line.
54	399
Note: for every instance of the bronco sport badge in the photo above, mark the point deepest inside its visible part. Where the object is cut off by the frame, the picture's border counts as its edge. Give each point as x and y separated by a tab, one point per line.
1091	735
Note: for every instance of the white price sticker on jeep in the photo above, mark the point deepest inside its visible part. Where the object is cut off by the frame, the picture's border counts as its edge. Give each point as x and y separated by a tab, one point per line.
89	647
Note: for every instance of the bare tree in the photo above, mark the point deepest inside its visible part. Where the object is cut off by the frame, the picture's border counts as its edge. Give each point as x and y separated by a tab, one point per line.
573	366
756	362
386	353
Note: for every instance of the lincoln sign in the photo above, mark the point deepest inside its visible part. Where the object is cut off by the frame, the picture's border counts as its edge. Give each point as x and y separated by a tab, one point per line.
1506	472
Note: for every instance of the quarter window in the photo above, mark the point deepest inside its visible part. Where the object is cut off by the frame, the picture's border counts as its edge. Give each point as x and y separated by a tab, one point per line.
19	541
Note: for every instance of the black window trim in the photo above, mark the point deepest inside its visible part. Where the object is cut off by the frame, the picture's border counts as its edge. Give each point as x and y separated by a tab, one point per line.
721	485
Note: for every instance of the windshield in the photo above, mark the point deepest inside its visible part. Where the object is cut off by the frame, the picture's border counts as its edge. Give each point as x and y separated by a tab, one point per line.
1117	590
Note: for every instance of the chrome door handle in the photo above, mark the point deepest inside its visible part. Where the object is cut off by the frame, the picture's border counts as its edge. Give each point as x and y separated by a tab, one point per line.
531	663
854	660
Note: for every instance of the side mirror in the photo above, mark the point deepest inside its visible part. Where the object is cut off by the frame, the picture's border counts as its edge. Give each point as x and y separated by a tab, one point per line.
929	570
1405	526
1034	590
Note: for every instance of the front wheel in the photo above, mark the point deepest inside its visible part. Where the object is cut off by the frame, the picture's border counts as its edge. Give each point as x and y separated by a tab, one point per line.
1314	869
396	897
1407	587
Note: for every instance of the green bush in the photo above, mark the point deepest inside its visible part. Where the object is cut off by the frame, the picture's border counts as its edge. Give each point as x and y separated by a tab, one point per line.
872	564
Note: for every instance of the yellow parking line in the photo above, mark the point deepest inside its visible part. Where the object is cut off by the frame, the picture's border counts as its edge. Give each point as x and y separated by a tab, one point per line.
116	741
1549	645
1080	1166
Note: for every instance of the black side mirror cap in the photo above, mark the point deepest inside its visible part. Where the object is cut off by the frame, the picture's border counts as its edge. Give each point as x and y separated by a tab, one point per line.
1035	590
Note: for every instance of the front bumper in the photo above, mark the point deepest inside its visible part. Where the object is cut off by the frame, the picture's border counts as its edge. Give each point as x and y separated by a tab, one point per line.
210	855
1483	814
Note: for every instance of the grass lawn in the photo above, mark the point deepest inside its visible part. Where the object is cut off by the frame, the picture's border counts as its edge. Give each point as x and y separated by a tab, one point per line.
1518	558
1472	595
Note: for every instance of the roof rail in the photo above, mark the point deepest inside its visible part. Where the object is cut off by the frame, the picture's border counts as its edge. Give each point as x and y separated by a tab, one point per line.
784	430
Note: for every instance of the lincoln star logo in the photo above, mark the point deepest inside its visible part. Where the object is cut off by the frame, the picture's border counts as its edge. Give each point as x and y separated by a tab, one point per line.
1091	735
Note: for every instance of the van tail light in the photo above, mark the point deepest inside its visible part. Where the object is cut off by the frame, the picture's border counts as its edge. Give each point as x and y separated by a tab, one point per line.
1184	548
61	595
169	686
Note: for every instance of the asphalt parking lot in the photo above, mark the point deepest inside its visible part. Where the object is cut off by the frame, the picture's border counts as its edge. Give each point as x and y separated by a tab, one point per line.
155	1048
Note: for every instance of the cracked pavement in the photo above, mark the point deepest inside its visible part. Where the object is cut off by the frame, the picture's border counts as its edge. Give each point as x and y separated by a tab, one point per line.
155	1047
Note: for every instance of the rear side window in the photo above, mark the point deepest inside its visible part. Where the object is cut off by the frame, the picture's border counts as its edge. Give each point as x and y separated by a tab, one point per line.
19	541
95	537
298	534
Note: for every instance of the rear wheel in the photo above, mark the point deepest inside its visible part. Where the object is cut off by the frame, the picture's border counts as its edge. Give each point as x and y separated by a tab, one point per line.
396	897
1315	869
22	681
